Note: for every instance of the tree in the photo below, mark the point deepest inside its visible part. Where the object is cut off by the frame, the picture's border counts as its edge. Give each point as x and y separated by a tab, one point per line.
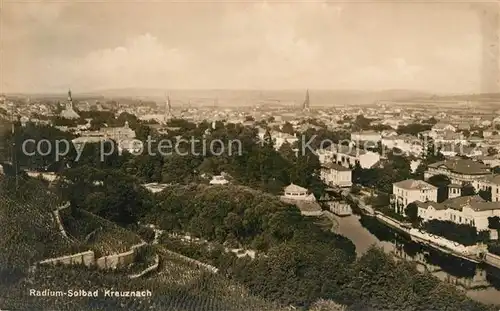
411	212
441	182
468	190
355	189
485	194
288	128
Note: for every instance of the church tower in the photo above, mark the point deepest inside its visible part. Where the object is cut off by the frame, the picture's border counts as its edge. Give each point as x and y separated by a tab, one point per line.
168	109
69	103
306	103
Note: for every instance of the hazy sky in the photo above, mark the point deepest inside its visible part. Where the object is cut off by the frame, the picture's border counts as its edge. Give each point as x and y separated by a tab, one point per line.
50	47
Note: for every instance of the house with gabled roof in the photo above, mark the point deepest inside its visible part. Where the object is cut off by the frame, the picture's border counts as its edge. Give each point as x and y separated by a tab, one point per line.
470	210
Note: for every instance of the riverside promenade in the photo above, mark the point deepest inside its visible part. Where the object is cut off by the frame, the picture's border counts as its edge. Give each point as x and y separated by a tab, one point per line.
476	253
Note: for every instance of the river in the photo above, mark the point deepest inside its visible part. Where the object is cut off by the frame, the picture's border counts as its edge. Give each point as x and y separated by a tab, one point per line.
481	282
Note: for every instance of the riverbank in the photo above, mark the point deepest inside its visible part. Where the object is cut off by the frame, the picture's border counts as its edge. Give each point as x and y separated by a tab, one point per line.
479	284
474	253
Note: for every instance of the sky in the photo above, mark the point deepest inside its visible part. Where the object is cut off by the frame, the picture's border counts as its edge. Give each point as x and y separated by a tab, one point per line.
87	46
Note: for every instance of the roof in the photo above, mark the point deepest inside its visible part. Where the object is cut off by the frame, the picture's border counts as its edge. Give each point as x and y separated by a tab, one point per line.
493	179
412	184
349	150
294	188
441	125
463	166
473	202
336	167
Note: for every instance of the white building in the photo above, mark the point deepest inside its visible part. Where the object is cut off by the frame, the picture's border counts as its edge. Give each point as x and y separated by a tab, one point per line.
366	136
411	190
294	192
218	180
489	183
406	143
348	156
336	175
279	138
442	127
471	210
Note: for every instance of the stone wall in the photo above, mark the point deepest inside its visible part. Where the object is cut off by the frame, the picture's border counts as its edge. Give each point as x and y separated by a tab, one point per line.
119	260
194	261
153	267
86	258
493	260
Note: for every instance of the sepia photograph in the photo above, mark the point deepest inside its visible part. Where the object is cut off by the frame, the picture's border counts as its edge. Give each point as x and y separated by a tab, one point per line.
249	155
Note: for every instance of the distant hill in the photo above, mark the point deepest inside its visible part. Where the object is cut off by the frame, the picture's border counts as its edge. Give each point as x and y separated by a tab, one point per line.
263	97
485	97
241	97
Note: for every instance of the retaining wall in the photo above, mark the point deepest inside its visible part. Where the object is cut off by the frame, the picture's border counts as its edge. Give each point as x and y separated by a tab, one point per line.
196	262
86	258
119	260
153	267
492	259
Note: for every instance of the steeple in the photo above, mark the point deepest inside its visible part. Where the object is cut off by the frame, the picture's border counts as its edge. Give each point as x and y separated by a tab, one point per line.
305	106
69	104
168	108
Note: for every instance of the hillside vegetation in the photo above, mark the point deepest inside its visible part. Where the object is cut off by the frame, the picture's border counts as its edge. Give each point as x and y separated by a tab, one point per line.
28	230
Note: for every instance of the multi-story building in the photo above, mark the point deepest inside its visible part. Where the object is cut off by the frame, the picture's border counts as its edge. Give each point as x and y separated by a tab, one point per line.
489	183
459	171
406	143
348	156
411	190
336	175
471	210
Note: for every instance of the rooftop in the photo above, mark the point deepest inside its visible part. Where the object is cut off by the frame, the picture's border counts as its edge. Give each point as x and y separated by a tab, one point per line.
412	184
336	167
463	166
294	188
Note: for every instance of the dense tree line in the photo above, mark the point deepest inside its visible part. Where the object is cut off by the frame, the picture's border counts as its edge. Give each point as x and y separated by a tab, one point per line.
460	233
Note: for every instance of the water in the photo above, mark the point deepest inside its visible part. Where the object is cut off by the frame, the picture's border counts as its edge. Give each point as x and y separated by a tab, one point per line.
480	282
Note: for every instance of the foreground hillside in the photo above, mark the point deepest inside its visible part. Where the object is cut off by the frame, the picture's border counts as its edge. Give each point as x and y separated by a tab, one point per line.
28	230
32	235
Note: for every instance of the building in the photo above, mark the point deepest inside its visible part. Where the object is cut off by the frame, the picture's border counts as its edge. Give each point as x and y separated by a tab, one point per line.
366	136
306	104
489	183
340	208
69	112
470	210
294	192
335	175
459	171
348	156
218	180
409	191
300	197
406	143
442	127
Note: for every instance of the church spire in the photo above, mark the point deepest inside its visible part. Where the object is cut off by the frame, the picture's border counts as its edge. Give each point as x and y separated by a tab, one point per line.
305	106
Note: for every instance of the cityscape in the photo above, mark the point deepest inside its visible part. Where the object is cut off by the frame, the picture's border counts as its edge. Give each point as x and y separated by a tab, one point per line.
233	157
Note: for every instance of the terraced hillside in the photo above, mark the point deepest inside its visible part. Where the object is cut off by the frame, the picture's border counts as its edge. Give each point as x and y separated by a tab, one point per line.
28	229
176	286
98	234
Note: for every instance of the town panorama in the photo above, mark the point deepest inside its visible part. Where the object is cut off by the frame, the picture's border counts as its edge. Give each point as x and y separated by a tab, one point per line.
249	156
